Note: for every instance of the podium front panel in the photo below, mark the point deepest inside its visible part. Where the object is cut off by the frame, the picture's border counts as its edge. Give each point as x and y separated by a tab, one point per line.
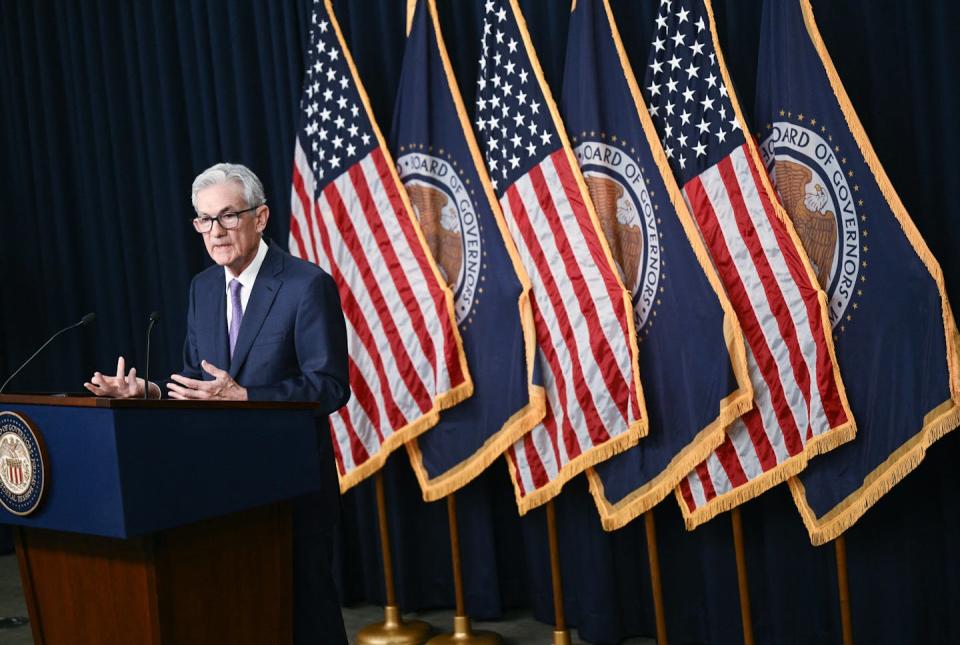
128	471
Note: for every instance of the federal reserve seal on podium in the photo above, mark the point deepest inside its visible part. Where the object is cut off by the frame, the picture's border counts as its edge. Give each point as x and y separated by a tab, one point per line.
23	464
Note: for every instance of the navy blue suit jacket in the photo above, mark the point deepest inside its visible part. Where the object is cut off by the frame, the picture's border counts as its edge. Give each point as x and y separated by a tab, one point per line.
292	347
292	344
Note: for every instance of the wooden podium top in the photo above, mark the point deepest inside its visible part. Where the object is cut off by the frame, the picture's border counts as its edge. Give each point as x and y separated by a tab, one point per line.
90	401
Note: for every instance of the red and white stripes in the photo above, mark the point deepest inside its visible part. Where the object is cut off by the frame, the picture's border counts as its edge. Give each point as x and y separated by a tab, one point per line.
403	348
797	396
583	333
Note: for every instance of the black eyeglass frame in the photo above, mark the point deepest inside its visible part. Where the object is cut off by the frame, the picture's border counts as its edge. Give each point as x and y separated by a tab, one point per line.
206	219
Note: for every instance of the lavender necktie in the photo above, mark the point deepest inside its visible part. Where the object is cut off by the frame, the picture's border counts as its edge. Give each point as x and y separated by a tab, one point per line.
237	317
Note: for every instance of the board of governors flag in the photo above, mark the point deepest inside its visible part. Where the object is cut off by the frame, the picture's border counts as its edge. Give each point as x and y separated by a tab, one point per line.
586	339
893	327
440	165
350	215
692	360
800	407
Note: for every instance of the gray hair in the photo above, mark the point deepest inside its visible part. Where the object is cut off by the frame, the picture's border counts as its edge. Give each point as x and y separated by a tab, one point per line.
222	173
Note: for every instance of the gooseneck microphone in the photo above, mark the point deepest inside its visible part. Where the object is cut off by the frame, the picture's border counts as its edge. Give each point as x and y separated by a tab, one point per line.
154	318
83	321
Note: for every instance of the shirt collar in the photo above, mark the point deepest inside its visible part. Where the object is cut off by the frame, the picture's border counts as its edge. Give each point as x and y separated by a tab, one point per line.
248	275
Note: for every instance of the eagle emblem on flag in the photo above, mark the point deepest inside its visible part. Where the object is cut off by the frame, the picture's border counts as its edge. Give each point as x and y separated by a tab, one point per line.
620	224
804	200
810	172
441	229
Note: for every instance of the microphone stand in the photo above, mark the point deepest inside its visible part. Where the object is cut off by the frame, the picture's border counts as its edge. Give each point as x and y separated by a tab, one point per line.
83	321
154	317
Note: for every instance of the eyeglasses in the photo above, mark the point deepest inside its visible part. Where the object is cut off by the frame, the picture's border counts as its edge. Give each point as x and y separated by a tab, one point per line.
229	220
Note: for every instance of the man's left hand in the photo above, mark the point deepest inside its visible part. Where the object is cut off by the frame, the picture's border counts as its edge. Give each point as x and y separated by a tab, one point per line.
221	388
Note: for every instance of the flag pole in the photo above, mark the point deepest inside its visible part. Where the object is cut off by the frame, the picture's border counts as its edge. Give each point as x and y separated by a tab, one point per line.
393	630
655	577
846	620
742	583
561	635
462	633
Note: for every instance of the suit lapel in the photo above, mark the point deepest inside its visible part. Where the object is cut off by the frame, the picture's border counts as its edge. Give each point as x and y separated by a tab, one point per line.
221	342
212	341
261	299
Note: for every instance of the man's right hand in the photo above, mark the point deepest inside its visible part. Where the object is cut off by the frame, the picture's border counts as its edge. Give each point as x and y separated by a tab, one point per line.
121	386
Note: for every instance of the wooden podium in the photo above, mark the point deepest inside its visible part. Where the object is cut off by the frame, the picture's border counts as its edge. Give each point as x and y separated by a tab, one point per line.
163	521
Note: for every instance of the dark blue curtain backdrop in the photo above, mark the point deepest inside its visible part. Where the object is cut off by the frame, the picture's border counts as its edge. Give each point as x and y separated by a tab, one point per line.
109	109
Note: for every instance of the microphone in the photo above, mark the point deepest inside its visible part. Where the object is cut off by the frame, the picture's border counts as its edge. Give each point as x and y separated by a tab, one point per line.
83	321
154	318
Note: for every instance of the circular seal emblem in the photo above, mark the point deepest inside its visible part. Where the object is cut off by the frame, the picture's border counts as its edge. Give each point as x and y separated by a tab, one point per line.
815	193
23	471
619	194
448	220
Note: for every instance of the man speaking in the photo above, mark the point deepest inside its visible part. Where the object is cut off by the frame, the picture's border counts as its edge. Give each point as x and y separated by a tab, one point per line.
265	327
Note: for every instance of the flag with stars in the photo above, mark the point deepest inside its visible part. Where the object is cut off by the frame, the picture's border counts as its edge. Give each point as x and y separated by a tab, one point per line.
440	165
692	359
888	304
586	338
351	216
800	406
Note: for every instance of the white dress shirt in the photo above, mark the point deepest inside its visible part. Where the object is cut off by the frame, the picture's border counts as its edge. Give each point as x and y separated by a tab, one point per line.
247	277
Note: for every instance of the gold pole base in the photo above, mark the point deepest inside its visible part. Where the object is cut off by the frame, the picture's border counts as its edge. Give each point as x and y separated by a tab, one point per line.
561	637
394	630
462	633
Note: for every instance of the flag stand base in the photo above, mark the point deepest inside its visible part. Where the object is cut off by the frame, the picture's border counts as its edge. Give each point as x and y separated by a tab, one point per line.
461	622
394	630
463	634
561	637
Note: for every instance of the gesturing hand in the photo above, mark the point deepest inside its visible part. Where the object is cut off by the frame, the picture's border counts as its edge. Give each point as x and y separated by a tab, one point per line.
222	387
121	386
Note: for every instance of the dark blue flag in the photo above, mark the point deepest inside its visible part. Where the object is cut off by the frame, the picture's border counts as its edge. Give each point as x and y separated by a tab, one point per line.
440	165
692	361
894	332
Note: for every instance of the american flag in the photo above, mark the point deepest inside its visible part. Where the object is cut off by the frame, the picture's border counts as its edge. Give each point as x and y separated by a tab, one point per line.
584	321
800	407
351	216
